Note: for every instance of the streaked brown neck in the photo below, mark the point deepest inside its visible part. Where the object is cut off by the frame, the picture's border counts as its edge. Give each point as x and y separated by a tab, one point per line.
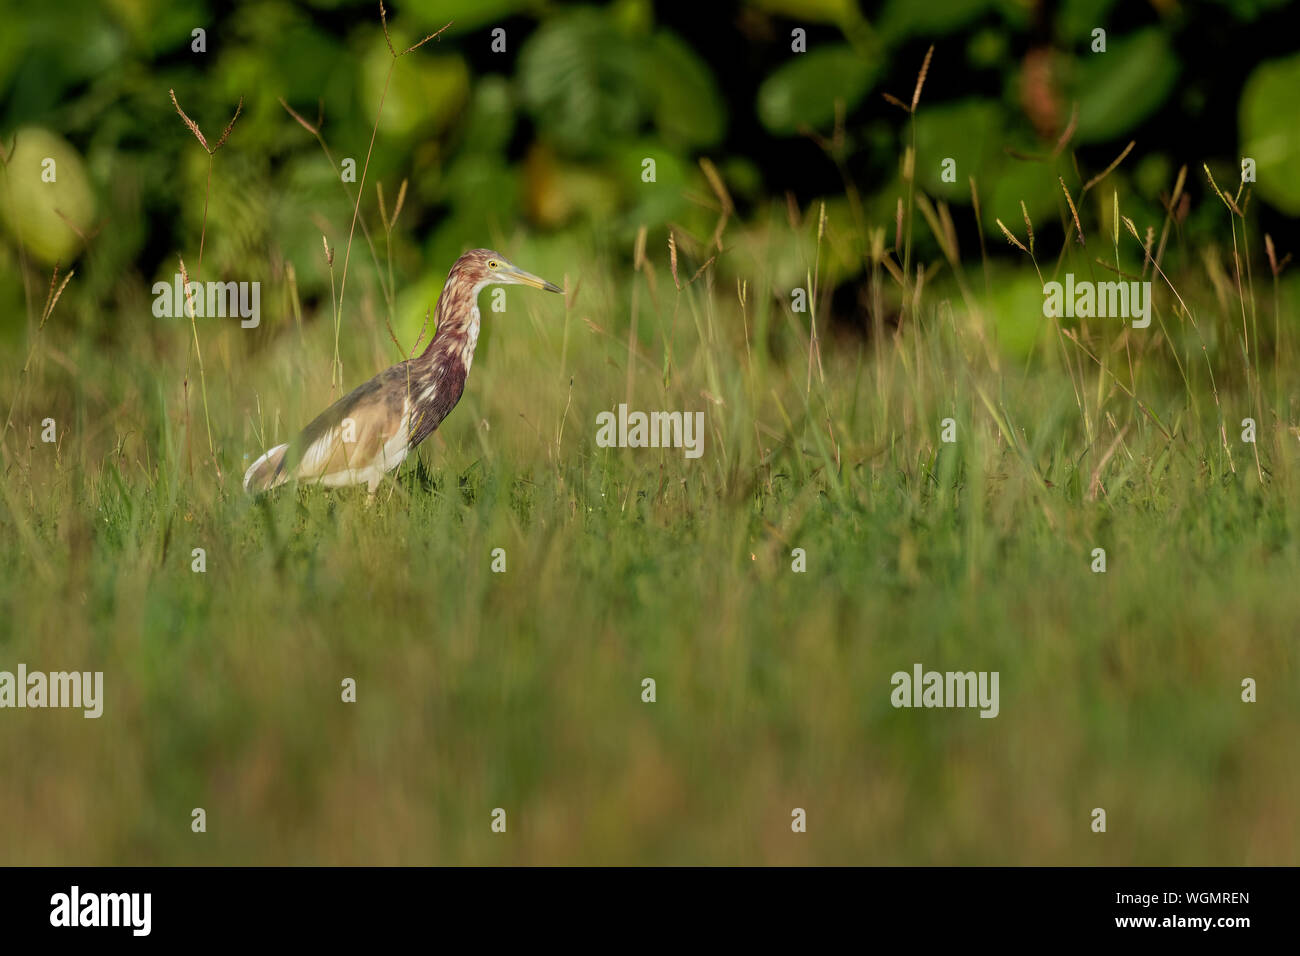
456	319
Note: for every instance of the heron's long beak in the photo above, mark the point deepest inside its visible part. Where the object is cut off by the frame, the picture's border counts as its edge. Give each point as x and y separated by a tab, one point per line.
519	276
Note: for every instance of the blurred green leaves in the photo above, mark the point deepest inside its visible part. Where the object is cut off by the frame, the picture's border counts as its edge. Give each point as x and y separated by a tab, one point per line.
426	92
46	216
605	91
1078	18
1270	134
841	12
579	79
688	110
1017	307
547	138
465	15
587	81
903	18
803	92
969	131
1120	88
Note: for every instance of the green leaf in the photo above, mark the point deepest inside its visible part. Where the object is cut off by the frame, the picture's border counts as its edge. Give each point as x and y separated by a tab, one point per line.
466	16
1269	132
803	92
688	108
1118	89
579	77
813	11
490	119
38	212
902	18
426	92
651	203
1078	18
968	131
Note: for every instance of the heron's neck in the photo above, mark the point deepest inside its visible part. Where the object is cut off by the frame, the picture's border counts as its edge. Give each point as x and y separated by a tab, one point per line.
457	323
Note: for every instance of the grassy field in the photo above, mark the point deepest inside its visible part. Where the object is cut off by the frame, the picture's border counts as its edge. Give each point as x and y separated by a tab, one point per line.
523	690
828	537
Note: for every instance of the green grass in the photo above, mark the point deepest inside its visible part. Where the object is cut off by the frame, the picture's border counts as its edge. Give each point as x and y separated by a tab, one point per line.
522	690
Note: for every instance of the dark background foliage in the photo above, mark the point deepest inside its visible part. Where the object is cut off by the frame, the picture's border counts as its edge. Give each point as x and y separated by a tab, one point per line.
548	136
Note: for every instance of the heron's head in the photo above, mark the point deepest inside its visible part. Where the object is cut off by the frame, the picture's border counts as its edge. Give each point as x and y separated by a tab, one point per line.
486	267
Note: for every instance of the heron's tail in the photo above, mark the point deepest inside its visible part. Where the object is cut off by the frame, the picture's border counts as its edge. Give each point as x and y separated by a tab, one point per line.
262	474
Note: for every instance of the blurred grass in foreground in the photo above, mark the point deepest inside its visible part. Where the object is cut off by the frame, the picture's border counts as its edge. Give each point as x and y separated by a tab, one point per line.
522	690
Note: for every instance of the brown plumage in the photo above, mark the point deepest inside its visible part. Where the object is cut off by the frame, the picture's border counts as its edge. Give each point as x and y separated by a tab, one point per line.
372	429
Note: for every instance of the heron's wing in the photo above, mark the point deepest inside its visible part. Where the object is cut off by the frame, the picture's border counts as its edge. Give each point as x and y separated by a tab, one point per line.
351	434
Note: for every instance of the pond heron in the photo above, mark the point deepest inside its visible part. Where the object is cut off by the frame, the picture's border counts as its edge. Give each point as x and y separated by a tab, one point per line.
370	431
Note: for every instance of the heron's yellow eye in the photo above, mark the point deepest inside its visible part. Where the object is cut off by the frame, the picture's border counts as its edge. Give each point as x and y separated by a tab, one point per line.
493	264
